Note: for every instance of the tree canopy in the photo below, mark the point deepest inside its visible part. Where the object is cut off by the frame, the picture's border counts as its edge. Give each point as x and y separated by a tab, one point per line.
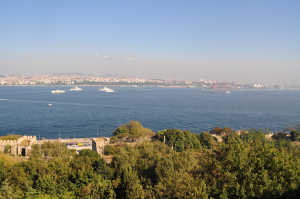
186	165
132	130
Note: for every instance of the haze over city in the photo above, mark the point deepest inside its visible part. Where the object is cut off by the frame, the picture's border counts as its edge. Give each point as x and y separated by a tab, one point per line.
244	41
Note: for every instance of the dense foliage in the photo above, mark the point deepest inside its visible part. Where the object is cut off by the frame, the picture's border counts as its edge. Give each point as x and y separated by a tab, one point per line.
218	130
180	140
253	135
187	165
295	135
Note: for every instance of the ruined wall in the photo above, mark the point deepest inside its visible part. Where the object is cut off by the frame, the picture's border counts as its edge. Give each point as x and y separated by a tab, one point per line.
16	145
99	143
268	136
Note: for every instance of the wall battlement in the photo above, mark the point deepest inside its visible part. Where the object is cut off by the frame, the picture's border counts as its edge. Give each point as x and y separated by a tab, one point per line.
10	142
31	138
17	147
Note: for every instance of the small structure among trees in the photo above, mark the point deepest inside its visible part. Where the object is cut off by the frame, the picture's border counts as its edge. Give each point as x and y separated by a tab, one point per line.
99	143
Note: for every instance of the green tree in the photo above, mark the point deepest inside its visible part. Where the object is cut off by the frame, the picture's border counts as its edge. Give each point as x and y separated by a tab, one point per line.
206	140
3	171
295	135
7	191
35	152
109	150
253	135
179	140
89	153
131	131
55	149
280	136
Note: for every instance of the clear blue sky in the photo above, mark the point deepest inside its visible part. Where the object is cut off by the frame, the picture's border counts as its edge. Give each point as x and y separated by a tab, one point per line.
245	41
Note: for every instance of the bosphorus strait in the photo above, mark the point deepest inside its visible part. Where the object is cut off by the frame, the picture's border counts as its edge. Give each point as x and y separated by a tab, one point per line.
25	110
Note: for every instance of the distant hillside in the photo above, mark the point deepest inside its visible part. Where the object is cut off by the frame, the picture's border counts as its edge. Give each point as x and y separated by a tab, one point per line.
61	74
83	74
114	75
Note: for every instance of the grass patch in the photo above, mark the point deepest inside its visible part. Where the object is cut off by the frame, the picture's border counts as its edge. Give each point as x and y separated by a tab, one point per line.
10	137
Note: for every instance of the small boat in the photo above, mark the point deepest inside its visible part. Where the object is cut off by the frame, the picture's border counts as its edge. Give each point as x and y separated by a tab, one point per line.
76	89
58	91
49	104
190	86
220	92
108	90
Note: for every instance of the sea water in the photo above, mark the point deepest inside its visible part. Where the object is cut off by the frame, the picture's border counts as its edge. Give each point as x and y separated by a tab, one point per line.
26	110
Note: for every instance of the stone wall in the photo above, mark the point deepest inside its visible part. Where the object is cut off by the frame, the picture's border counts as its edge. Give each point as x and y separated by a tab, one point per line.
99	143
16	145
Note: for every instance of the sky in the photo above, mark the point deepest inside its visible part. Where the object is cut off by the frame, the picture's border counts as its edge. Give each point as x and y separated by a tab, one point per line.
243	41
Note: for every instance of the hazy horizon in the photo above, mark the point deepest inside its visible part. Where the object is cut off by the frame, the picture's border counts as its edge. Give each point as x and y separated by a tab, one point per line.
244	41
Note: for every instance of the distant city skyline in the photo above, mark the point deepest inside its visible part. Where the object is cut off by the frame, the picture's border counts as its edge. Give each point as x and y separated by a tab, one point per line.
244	41
80	79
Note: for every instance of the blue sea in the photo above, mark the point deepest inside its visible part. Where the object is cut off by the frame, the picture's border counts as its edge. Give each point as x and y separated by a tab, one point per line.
25	110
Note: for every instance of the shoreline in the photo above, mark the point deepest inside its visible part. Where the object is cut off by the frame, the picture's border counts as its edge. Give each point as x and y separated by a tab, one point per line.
204	89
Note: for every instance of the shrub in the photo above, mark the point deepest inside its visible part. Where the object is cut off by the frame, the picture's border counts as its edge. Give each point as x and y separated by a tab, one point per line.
7	148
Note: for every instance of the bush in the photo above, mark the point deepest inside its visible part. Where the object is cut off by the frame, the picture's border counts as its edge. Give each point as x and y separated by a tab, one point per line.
109	150
7	148
10	137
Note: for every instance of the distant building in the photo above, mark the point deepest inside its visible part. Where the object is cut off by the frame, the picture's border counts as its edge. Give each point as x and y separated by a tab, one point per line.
99	143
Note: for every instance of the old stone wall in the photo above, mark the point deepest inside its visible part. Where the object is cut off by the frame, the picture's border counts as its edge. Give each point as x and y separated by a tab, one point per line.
99	143
17	146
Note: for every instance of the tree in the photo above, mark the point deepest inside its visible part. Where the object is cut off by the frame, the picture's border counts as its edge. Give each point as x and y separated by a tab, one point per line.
109	150
35	152
226	129
254	135
179	140
3	172
207	140
55	149
89	153
216	130
295	135
132	130
280	136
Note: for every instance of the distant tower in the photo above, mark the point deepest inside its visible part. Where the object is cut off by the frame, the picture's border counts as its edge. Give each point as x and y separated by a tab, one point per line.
216	85
225	85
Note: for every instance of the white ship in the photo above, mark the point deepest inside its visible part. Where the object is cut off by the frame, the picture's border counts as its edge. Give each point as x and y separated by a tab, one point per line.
76	89
108	90
58	91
